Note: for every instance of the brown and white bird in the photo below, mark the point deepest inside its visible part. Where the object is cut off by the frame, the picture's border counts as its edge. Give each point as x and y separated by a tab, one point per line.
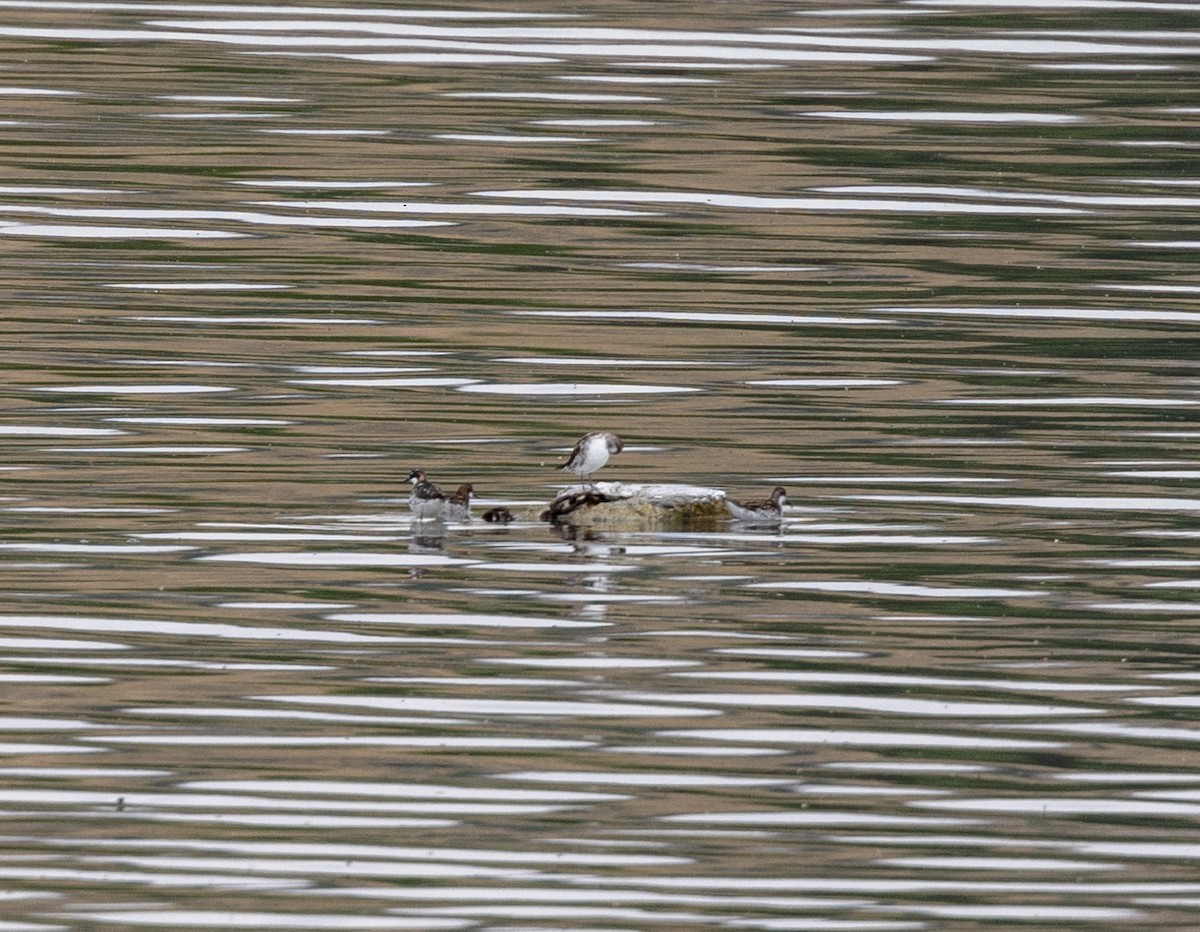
591	452
765	511
458	505
426	500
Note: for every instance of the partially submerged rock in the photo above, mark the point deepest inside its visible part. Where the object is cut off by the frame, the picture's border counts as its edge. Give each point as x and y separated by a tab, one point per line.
618	505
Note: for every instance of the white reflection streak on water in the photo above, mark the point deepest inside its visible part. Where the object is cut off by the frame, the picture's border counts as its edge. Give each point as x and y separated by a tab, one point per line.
31	430
237	216
336	558
317	867
64	230
150	662
491	44
973	193
1119	731
1132	315
55	645
117	389
573	914
163	450
1003	683
573	389
395	852
165	801
397	382
1119	849
23	749
761	202
893	886
896	706
625	778
591	41
186	629
101	876
557	894
462	620
791	818
241	919
481	682
493	707
1073	5
222	740
591	663
902	590
479	210
888	480
942	116
1066	807
705	317
602	362
288	715
94	549
862	738
1064	502
998	864
249	536
1101	401
198	286
342	788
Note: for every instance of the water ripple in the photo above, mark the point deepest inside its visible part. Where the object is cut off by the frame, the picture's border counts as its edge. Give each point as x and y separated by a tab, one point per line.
490	707
843	701
760	202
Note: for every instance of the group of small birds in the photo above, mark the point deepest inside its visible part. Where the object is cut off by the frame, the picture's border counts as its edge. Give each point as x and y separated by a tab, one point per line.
593	450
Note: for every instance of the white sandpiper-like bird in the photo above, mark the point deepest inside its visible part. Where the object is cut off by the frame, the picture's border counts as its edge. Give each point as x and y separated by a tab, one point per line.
591	453
426	499
766	511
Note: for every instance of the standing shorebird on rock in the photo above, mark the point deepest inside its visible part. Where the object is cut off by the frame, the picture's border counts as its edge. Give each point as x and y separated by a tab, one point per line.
426	500
767	511
592	452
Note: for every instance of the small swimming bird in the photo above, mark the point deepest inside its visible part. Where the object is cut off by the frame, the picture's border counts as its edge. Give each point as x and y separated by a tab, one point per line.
591	453
766	511
458	505
426	499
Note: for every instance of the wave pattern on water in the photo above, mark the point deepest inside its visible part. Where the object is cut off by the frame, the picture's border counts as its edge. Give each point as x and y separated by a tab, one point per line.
925	265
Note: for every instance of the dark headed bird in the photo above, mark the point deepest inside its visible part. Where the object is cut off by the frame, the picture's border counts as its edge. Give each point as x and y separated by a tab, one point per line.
764	511
426	500
458	505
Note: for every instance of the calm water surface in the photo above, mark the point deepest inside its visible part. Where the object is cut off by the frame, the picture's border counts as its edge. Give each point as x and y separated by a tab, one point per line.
931	265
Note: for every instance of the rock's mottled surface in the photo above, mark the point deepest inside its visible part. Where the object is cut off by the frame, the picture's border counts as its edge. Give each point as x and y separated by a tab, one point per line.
621	505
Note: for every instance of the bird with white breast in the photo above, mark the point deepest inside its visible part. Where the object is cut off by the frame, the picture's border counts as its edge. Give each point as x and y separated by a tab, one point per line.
426	500
591	452
768	511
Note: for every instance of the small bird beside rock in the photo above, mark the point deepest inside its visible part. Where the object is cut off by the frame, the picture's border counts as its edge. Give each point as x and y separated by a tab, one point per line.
765	511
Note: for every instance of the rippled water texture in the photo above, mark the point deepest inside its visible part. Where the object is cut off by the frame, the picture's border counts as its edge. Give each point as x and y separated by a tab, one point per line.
930	265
